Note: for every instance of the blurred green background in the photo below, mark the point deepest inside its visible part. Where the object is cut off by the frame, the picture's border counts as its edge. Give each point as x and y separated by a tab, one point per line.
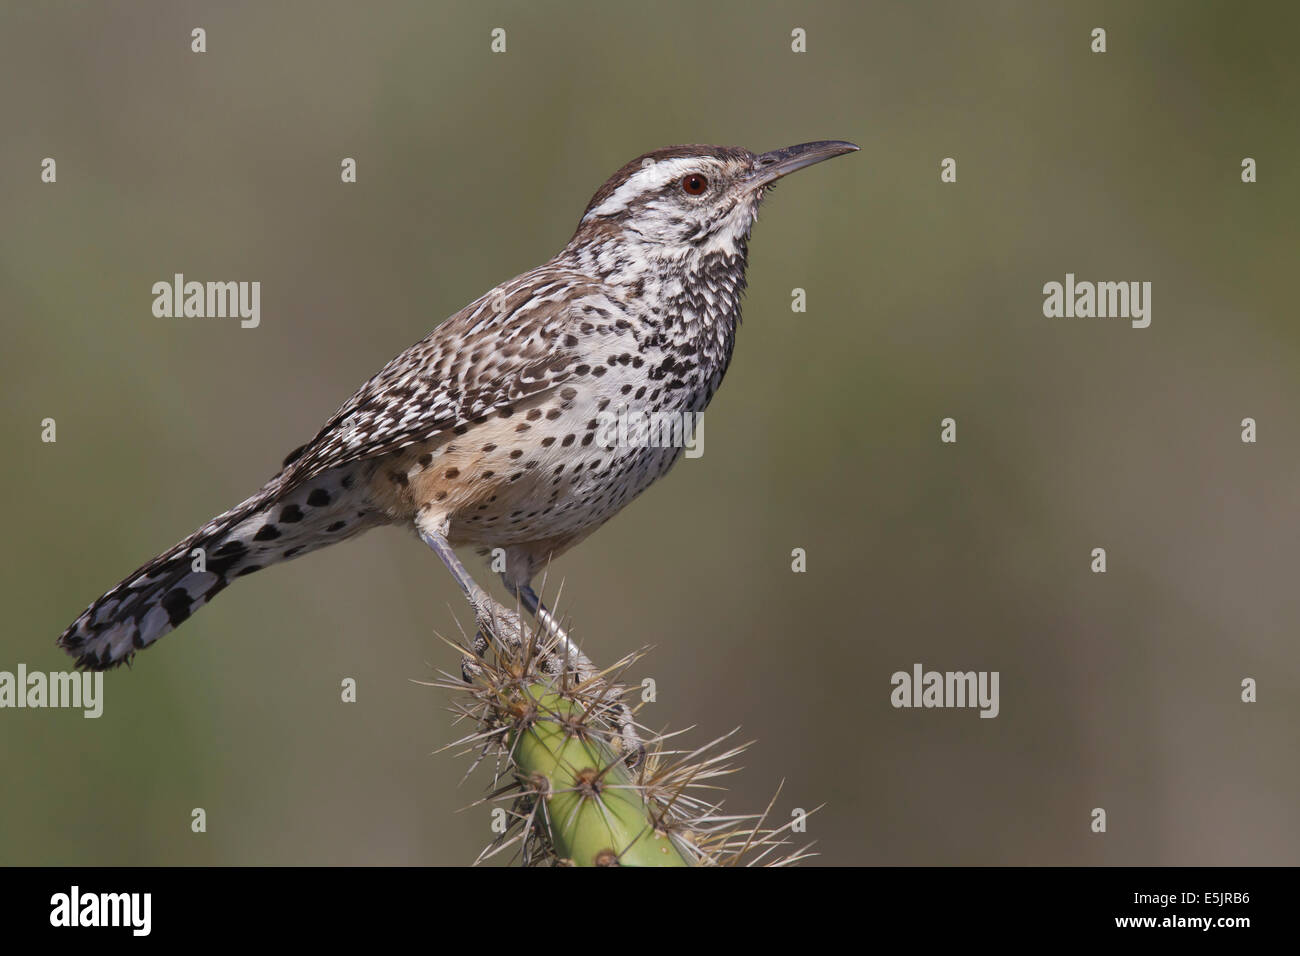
924	301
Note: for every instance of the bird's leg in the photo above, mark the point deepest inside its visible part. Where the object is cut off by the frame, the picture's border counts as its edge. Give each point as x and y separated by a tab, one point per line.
534	606
494	618
477	596
490	617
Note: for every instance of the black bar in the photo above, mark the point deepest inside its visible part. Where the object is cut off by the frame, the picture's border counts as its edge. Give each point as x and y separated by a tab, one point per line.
923	905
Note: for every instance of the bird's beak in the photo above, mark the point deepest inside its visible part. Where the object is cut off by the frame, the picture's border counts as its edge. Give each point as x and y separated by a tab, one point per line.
782	162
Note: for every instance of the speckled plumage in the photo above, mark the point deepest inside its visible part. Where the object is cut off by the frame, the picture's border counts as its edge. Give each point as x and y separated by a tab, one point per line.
485	429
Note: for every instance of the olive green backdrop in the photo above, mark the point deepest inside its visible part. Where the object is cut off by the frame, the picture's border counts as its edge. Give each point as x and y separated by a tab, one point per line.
1118	690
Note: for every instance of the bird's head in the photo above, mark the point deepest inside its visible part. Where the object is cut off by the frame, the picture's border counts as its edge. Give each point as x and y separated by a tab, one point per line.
686	202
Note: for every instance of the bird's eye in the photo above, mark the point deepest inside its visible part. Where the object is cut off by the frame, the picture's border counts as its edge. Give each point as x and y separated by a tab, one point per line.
694	184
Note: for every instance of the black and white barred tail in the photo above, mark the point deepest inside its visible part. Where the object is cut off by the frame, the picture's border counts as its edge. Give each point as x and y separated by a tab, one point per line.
276	524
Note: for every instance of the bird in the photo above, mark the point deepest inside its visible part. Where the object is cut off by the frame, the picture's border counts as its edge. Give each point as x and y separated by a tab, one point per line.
484	433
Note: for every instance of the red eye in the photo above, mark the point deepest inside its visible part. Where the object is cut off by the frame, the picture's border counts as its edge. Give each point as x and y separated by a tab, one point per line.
694	184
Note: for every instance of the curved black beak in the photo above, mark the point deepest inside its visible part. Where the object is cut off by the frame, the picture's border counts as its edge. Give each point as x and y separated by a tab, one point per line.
782	162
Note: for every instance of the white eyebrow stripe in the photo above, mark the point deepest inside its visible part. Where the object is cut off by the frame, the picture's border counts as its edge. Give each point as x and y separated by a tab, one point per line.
650	177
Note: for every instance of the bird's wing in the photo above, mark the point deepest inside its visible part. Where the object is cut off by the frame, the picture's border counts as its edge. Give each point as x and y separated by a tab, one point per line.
510	345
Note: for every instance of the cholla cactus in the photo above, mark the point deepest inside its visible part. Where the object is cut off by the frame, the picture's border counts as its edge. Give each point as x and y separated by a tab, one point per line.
576	790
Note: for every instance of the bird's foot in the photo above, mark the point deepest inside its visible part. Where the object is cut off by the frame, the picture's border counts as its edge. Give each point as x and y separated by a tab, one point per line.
554	655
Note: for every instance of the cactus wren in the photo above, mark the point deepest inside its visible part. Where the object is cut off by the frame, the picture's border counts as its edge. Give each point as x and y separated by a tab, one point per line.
483	433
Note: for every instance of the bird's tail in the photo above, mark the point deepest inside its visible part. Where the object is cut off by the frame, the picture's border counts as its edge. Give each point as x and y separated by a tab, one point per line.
274	525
